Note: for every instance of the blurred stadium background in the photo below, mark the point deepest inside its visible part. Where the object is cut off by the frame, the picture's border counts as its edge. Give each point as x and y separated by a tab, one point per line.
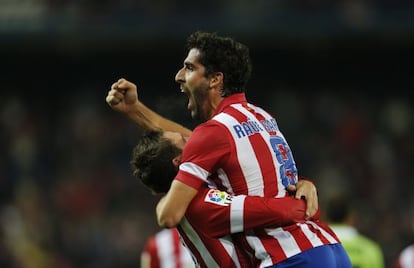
338	76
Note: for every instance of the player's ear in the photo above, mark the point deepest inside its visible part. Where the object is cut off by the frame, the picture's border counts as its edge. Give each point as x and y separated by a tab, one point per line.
216	80
176	161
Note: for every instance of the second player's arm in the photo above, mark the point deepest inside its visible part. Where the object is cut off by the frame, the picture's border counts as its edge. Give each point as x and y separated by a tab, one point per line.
172	207
233	214
148	119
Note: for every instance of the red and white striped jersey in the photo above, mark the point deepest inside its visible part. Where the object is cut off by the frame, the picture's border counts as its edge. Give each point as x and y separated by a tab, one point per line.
243	146
406	258
165	250
213	215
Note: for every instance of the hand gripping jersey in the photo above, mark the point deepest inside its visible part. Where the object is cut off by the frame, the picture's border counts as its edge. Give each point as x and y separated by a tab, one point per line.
242	144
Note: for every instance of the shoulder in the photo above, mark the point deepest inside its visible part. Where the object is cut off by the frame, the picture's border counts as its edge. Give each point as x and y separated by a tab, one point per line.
211	124
211	131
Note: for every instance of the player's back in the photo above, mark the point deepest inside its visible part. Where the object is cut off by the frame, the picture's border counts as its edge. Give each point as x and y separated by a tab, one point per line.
260	161
243	145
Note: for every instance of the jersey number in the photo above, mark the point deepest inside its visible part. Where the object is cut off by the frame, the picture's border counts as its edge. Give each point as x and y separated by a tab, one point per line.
287	169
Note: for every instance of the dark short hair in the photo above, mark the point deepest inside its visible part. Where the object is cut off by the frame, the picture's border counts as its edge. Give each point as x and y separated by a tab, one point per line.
152	161
226	55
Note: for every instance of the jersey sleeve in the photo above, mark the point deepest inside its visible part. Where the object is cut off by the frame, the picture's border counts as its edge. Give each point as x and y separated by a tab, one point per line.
224	214
203	152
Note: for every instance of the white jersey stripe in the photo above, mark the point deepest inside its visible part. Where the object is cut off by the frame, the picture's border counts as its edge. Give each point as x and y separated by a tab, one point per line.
313	238
225	180
269	117
286	240
236	214
260	251
244	150
229	246
165	253
194	170
266	138
198	244
330	238
259	110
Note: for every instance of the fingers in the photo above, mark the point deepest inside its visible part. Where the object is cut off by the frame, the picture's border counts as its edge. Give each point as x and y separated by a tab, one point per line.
291	188
119	85
116	94
311	208
302	190
307	191
124	86
114	97
122	96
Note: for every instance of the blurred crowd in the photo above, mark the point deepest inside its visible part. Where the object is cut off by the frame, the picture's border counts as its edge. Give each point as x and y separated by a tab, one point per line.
67	195
68	198
148	15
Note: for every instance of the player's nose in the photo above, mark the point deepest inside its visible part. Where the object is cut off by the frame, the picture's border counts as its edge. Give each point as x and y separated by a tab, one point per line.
179	77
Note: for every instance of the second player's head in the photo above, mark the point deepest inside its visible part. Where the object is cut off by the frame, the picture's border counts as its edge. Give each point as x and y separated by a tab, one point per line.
156	157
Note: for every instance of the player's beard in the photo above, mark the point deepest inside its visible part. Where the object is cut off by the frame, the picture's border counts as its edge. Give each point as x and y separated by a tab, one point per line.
200	110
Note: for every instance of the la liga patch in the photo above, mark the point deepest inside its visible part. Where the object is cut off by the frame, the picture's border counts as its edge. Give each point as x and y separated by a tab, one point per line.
218	197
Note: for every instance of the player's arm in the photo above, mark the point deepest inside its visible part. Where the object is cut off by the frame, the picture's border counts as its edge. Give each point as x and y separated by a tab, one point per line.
233	214
172	207
123	97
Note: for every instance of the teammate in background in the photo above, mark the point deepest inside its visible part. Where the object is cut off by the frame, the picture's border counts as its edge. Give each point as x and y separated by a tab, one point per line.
363	252
165	249
241	144
406	258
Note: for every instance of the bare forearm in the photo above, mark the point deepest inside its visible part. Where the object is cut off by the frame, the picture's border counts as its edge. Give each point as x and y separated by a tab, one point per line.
159	210
148	119
172	207
123	97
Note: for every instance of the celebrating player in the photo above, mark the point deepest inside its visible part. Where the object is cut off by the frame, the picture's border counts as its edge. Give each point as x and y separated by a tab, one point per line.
243	147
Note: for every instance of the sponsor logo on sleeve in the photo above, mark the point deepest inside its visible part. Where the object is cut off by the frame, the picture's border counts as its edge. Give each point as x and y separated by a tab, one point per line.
218	197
